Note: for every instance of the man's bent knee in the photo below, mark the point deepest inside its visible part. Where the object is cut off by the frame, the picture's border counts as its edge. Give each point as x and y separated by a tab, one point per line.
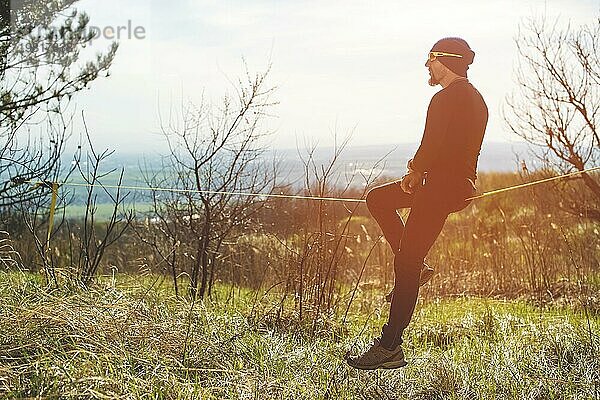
373	198
372	195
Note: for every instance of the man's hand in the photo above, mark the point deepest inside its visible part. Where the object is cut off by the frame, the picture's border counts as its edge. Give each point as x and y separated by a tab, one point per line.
411	181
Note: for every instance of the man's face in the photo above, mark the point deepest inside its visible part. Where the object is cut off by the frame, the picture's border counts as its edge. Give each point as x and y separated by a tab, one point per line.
436	71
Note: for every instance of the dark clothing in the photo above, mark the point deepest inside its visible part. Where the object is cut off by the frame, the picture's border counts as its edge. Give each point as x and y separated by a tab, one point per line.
429	205
456	121
448	154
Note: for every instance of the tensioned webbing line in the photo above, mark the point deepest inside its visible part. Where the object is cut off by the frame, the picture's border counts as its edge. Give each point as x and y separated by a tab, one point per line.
291	196
56	185
532	183
175	190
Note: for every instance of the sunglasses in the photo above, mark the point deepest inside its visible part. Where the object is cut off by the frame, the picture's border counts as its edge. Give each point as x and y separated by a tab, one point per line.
435	54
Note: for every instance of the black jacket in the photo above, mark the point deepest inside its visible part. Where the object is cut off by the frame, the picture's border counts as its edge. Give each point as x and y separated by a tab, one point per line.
456	121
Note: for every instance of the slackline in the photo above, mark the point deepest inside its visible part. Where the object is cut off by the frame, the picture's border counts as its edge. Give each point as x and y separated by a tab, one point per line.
290	196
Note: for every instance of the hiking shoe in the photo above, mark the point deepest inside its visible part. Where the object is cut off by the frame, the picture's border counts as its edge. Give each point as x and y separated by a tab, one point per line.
426	275
378	357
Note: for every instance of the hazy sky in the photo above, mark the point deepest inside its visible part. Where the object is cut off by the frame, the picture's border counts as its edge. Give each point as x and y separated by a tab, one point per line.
339	66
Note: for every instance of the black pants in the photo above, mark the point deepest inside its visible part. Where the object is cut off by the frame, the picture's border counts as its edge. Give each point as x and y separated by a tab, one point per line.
430	205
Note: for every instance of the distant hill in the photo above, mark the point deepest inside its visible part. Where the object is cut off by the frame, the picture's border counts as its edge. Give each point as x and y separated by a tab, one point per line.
494	157
354	161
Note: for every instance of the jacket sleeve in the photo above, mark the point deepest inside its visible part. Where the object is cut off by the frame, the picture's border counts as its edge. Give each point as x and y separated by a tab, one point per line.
436	129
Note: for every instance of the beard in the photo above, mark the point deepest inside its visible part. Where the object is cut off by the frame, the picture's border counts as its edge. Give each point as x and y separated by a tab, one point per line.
432	79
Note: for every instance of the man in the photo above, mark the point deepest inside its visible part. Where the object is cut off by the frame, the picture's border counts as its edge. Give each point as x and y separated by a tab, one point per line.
441	176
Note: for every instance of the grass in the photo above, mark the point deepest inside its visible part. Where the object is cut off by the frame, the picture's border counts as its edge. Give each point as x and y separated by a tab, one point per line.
130	338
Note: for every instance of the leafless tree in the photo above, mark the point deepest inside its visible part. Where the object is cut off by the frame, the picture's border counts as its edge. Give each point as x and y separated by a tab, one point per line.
93	239
42	65
556	106
87	239
218	150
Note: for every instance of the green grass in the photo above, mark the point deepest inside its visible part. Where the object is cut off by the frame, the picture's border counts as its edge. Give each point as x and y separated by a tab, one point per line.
130	338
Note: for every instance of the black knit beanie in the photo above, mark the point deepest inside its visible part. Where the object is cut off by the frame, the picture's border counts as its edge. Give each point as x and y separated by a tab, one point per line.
455	45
